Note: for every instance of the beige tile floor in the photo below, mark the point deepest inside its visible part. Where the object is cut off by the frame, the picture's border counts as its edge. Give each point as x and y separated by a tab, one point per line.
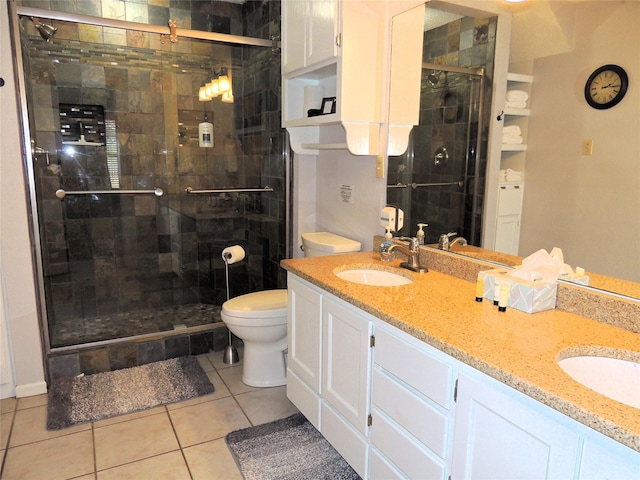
183	440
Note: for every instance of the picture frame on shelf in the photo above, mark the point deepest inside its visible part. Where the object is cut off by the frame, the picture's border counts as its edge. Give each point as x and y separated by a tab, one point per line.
328	105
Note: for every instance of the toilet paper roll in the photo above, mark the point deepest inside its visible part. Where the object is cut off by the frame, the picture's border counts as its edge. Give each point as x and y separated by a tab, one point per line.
312	98
233	254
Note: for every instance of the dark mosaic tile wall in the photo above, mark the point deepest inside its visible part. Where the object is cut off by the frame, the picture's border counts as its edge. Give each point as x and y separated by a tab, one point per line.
109	255
444	110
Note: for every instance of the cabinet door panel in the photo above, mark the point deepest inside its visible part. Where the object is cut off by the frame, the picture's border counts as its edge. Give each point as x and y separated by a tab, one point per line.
498	436
607	460
322	29
305	332
508	234
346	369
293	35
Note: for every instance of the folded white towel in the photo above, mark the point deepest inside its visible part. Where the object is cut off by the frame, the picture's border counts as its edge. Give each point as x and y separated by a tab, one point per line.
511	140
517	95
511	130
513	175
514	104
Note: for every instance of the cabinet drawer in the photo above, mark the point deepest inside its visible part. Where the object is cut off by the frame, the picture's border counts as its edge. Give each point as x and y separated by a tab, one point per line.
428	375
410	412
509	200
381	469
403	451
304	398
345	439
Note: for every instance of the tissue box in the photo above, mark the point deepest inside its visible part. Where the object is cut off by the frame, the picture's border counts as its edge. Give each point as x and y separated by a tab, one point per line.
529	297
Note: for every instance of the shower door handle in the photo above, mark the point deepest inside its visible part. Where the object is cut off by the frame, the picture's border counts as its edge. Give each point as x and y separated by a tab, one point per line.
60	193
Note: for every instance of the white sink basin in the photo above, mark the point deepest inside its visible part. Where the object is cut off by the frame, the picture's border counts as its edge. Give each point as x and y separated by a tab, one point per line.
368	276
612	377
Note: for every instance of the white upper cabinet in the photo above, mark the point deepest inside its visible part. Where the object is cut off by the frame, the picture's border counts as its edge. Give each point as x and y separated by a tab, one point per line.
333	50
309	33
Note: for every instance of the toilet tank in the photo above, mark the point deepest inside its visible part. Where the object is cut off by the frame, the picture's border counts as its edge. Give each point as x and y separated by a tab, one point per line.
318	244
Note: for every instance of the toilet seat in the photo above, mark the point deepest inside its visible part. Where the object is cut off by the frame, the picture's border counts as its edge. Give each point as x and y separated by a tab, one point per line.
258	308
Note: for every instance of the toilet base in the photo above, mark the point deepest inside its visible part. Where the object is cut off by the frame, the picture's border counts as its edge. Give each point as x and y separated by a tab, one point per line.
263	367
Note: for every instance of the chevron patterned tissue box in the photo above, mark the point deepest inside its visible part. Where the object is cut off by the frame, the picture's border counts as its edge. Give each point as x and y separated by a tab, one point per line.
526	296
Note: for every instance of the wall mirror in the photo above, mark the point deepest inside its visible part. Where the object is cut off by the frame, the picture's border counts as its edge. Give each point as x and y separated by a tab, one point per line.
454	197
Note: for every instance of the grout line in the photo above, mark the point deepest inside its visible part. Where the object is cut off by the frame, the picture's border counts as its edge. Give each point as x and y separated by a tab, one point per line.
95	454
180	447
6	450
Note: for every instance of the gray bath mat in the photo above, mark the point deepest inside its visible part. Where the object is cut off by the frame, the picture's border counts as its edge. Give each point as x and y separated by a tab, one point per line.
287	449
94	397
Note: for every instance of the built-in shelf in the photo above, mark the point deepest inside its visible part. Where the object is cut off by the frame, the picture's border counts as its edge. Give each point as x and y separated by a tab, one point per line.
519	77
517	112
324	146
513	148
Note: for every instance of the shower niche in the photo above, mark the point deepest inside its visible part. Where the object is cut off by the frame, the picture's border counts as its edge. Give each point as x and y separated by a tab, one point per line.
82	124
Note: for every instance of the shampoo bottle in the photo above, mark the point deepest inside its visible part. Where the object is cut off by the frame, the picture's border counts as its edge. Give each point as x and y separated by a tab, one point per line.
205	133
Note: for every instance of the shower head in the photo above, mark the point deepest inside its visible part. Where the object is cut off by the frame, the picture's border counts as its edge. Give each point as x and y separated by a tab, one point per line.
46	31
434	77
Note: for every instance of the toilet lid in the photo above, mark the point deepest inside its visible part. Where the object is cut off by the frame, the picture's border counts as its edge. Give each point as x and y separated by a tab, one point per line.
265	304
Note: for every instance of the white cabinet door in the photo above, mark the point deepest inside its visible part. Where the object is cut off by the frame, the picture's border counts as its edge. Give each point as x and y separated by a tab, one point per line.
309	30
346	362
305	332
605	459
508	234
293	35
498	435
322	30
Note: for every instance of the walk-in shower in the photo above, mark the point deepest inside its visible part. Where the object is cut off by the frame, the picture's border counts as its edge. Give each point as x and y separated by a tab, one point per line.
439	180
130	211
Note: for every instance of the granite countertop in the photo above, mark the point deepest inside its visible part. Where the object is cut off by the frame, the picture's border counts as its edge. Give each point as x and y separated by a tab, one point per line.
516	348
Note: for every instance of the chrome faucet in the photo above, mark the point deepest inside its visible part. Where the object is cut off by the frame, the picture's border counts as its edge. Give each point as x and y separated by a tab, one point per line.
387	249
445	242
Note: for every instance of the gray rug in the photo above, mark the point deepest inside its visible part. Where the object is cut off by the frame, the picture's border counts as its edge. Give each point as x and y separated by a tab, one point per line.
89	398
290	448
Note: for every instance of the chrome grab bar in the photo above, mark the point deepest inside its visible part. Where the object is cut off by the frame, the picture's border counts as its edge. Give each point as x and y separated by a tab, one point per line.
398	185
416	185
60	193
229	190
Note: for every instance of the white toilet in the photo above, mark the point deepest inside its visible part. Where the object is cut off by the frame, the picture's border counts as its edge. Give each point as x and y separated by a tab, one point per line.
260	318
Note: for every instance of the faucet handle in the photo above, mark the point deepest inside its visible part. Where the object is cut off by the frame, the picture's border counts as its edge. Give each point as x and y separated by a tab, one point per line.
413	242
443	243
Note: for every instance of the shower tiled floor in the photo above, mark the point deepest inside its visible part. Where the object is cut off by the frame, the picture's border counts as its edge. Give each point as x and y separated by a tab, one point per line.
85	330
184	440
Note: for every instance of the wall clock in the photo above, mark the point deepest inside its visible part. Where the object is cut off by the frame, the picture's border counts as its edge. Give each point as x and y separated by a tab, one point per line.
606	86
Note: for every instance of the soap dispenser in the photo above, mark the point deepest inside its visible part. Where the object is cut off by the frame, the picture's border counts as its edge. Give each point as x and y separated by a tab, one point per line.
420	233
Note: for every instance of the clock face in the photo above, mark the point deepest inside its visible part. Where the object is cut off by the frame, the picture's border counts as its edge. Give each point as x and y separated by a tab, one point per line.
606	86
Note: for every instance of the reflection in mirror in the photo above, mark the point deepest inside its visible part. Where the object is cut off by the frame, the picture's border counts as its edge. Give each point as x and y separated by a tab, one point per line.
440	178
539	51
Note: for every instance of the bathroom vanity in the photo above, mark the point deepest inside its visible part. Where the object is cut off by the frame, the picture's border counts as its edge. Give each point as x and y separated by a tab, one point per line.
422	381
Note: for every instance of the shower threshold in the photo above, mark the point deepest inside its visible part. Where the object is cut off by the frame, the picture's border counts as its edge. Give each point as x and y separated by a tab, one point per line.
77	332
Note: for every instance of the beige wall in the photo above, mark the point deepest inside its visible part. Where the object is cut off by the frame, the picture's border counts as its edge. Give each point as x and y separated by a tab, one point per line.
587	205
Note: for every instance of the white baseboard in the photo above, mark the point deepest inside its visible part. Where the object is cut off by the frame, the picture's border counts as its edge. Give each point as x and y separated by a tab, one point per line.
31	389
